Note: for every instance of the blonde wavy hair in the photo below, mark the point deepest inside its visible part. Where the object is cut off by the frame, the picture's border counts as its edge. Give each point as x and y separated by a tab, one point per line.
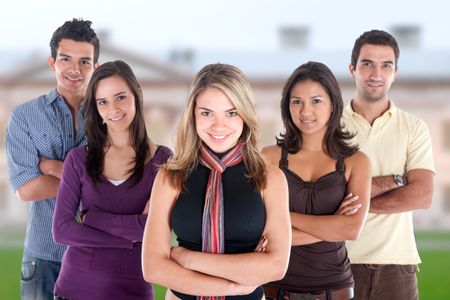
235	85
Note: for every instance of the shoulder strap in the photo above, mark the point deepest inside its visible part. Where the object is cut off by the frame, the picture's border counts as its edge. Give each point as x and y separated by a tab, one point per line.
340	166
283	164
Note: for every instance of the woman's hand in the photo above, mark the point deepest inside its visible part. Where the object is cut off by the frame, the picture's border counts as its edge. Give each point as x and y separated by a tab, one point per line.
349	206
261	247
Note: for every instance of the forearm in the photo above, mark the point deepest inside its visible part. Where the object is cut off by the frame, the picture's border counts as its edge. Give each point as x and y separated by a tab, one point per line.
40	188
51	167
300	238
252	269
175	277
416	194
331	228
130	227
66	231
381	185
397	201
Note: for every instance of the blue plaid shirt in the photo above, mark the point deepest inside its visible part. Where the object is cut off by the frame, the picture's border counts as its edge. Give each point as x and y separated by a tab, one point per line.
42	127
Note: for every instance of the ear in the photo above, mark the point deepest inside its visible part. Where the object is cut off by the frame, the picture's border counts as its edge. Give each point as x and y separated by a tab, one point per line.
96	65
351	69
51	63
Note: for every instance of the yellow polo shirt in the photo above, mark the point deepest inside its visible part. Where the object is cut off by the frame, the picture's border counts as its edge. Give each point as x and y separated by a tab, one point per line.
396	143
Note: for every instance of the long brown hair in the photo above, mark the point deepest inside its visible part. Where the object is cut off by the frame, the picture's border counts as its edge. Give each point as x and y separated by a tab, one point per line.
334	142
96	131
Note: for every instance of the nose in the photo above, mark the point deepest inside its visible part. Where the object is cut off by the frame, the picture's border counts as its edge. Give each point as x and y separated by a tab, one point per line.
376	72
113	107
305	109
75	68
219	123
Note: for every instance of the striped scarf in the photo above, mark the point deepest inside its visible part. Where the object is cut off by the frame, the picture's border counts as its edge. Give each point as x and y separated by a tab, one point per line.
213	237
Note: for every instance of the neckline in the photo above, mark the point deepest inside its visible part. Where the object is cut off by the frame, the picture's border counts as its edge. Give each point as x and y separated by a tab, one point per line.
322	177
129	177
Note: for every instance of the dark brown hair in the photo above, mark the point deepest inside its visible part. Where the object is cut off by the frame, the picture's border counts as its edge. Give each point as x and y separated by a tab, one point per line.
96	131
334	142
374	37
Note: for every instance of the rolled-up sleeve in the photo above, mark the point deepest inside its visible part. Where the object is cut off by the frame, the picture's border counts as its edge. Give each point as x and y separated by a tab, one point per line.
23	159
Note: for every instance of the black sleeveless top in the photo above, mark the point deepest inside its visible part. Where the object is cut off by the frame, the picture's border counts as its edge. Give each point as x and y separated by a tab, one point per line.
244	215
322	265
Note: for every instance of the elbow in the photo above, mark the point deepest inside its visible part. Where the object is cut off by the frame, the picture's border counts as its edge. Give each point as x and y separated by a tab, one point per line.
58	237
149	265
24	195
59	231
353	232
426	201
352	235
279	267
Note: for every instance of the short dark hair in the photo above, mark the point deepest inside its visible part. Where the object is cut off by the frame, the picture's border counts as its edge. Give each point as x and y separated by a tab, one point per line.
77	30
374	37
96	131
335	137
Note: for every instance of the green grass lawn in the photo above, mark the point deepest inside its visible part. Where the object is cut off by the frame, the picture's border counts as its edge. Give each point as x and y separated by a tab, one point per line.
434	277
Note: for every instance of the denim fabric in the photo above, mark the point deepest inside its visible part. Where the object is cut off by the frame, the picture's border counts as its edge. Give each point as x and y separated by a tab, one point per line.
38	278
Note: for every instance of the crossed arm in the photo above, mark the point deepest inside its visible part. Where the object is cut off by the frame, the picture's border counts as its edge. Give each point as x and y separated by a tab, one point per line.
44	186
128	226
347	222
65	229
198	273
416	194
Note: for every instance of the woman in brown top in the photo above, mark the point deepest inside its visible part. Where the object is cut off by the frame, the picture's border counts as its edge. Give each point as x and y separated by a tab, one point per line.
329	187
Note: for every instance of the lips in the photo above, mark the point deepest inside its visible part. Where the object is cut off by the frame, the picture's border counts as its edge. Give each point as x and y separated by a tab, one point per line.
375	84
117	118
217	138
73	79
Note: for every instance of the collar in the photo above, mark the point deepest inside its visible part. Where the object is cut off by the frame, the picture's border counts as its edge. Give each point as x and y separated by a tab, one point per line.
52	97
392	110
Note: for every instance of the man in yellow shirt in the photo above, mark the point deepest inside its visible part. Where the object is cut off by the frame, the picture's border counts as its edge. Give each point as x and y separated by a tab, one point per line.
385	258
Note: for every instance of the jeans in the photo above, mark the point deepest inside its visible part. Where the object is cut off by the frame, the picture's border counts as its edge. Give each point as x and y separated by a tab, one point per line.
38	278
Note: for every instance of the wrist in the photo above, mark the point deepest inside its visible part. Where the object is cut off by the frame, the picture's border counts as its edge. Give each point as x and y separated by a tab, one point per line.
399	180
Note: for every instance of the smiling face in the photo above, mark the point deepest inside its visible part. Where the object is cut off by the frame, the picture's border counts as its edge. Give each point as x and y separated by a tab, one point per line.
374	72
115	103
73	67
310	107
216	120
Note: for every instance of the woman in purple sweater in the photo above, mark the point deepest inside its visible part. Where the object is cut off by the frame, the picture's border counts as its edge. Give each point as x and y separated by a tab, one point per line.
102	200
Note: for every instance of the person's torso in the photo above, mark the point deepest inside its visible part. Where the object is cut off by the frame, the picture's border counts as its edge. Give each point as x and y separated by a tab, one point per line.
322	265
50	127
387	143
124	199
244	215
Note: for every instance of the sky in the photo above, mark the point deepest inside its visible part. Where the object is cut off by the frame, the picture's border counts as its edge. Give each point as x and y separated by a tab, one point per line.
236	25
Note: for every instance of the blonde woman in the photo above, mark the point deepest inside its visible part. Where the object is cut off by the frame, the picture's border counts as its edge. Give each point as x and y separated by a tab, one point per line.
219	197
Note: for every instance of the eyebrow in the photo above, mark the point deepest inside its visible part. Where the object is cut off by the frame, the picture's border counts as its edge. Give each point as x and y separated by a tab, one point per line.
316	96
371	61
115	95
204	108
67	55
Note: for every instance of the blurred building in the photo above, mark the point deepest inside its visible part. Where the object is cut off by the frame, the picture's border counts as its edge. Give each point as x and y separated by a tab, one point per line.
422	88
